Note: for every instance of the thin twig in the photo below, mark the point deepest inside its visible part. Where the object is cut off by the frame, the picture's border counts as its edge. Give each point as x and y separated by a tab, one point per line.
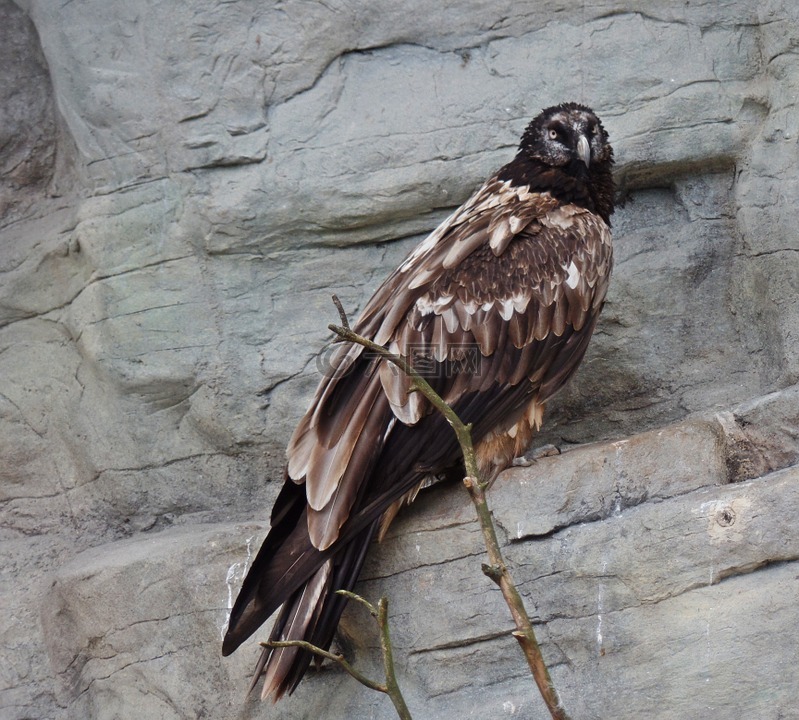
499	573
357	598
390	687
462	431
497	570
341	313
361	678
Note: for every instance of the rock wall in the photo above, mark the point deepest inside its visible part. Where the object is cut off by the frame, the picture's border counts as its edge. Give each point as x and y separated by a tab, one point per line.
182	188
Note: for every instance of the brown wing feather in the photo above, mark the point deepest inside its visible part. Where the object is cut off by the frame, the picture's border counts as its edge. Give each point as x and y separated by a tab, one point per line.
320	460
325	522
550	283
551	274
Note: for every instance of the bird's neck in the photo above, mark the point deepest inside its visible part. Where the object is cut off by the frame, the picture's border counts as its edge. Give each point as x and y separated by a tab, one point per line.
591	188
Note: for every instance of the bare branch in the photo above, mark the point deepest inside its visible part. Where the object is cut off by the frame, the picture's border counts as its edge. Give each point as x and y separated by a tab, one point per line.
343	315
390	687
463	432
357	598
371	684
497	569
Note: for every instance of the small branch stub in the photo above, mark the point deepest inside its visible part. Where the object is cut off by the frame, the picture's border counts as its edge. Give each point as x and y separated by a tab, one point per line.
492	571
342	315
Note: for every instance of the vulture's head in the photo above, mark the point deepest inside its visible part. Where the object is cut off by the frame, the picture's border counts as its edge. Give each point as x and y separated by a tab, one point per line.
565	135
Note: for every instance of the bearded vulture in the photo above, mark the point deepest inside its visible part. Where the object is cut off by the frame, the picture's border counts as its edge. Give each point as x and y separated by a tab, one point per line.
500	301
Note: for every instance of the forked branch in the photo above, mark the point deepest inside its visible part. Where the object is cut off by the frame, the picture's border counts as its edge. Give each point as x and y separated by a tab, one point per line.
390	687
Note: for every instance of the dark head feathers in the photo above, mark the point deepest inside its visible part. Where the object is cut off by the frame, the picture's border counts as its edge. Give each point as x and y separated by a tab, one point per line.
530	130
557	129
565	149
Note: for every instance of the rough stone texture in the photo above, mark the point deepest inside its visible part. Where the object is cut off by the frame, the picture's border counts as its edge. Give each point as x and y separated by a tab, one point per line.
182	186
668	592
27	118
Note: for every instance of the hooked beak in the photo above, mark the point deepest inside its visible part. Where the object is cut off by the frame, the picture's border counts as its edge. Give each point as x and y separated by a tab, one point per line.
584	150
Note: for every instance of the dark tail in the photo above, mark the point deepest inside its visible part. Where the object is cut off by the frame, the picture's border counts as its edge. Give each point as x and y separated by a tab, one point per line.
289	570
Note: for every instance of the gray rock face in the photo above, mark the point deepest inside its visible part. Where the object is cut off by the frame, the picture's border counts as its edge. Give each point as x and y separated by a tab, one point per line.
182	187
27	117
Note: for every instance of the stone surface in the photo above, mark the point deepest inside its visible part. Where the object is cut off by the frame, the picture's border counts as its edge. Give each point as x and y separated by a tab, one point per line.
182	187
114	669
27	117
685	596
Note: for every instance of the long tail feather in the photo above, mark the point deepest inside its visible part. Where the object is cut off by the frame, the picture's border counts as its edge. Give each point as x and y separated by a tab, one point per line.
297	621
311	613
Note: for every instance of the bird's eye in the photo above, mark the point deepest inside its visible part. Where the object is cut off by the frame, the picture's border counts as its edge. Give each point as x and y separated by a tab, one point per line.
594	130
553	134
